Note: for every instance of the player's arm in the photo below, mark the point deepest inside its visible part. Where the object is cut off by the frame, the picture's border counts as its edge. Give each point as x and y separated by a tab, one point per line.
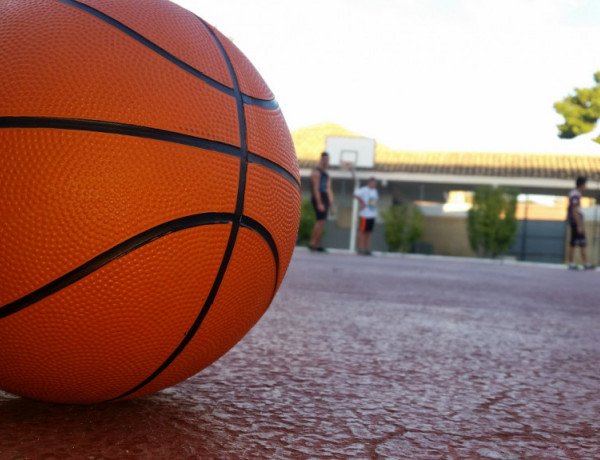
360	199
330	194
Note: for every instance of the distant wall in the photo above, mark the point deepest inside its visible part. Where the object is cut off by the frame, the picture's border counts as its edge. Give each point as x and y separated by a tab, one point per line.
448	236
536	241
540	241
544	239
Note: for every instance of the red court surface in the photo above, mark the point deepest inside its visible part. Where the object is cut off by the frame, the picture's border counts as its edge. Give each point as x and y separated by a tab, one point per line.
368	358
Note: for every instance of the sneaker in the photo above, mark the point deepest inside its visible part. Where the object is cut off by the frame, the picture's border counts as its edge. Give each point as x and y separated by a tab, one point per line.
589	267
573	267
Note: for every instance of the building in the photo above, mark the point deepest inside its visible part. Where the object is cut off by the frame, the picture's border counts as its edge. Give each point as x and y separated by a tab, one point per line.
431	180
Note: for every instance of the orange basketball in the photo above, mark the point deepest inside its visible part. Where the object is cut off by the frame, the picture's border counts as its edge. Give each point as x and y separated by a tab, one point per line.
150	197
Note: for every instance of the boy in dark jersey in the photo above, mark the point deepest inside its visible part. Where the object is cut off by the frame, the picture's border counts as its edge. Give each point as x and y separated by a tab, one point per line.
575	219
322	201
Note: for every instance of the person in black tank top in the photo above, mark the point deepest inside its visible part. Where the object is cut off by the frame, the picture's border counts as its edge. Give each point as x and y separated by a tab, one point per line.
575	219
322	201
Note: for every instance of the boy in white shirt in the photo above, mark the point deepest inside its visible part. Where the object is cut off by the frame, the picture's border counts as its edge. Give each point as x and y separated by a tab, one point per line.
367	197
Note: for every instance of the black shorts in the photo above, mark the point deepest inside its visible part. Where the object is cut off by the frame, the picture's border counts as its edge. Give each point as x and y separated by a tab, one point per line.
325	200
577	239
366	225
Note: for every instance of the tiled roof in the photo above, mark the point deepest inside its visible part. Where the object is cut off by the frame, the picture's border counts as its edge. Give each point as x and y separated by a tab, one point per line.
310	142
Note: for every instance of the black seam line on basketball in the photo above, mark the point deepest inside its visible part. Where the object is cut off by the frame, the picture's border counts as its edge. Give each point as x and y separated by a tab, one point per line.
265	162
239	209
199	319
114	253
264	103
74	124
241	121
246	222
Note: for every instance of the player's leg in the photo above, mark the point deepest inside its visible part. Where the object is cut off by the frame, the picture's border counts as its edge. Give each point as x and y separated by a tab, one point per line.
368	232
317	233
571	248
360	237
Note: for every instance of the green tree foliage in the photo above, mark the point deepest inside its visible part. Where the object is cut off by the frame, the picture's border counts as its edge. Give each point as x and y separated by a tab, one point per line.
307	221
403	226
580	111
491	222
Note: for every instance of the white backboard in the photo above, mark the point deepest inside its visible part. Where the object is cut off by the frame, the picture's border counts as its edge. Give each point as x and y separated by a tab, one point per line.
358	150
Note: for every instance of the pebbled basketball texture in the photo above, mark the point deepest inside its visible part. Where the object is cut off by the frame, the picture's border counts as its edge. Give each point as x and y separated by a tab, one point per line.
150	197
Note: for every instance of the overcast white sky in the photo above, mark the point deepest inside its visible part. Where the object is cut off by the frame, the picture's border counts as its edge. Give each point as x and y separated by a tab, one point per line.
470	75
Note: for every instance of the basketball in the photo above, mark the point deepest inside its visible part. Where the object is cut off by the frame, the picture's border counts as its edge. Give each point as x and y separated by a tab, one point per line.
150	197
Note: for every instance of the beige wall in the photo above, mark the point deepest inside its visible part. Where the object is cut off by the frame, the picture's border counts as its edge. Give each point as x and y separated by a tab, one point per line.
448	236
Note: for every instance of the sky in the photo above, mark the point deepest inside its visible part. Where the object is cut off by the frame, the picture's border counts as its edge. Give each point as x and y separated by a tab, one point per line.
425	75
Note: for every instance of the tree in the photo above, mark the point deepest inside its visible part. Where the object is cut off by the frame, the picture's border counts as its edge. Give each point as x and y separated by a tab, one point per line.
307	221
403	226
580	111
491	222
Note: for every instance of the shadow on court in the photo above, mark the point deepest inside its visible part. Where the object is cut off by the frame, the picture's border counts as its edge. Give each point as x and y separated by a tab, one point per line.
368	357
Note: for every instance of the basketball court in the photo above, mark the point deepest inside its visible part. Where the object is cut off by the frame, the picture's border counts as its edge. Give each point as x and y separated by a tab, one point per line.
366	358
